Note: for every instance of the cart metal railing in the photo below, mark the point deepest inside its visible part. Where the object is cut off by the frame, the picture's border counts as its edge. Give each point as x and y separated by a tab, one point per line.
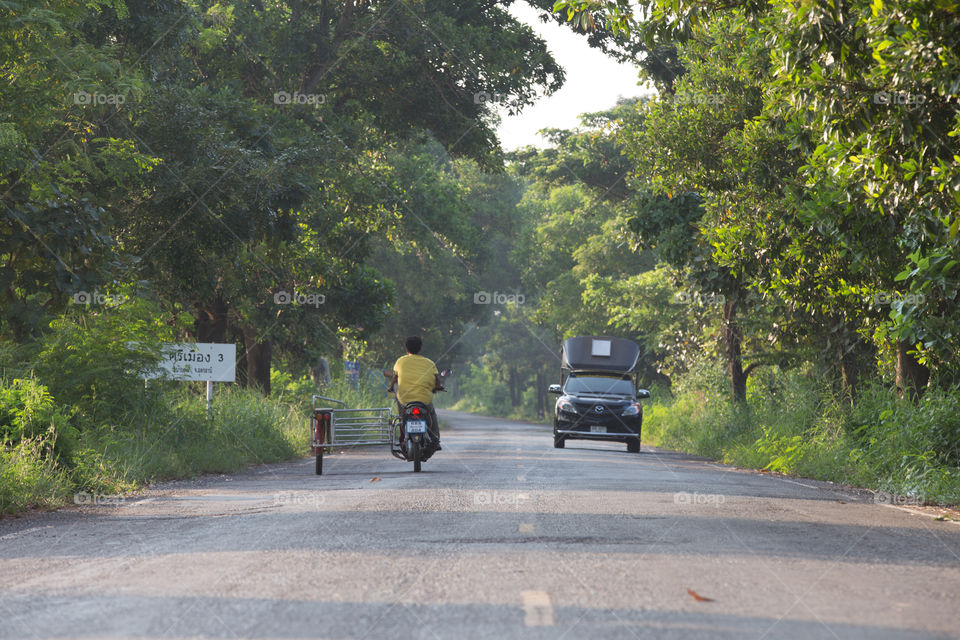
332	428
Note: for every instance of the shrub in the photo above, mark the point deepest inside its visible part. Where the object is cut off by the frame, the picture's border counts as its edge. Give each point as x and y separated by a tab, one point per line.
81	419
793	423
29	478
94	364
28	412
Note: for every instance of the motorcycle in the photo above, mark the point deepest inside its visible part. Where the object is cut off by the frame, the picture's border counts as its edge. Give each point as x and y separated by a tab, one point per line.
410	437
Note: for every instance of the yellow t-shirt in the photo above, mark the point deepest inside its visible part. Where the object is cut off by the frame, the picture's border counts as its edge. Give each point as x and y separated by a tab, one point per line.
416	377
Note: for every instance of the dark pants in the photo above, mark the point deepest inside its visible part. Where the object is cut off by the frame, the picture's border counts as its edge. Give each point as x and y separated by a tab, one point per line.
433	424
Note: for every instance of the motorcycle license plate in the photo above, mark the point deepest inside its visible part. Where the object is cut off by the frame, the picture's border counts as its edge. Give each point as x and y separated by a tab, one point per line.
416	426
597	429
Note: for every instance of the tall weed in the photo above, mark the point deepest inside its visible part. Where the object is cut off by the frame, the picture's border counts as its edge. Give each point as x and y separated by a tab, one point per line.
794	423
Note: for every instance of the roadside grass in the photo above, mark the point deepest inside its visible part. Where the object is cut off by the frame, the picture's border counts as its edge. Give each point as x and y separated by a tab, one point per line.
30	479
793	424
49	454
77	417
242	428
167	438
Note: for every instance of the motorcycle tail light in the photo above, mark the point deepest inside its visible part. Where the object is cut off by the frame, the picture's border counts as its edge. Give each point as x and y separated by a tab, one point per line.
416	411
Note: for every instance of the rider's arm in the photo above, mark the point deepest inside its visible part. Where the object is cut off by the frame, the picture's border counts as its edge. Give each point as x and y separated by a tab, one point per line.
393	382
437	382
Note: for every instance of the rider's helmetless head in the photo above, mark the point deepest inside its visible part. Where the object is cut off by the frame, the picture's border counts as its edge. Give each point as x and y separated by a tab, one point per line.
413	344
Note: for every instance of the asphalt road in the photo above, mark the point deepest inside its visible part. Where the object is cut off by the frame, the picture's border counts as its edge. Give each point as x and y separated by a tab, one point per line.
500	536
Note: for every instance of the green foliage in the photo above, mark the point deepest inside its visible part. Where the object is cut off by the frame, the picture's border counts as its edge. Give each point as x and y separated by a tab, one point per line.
795	425
827	164
213	192
81	418
28	413
169	437
93	361
61	173
483	393
175	438
369	392
487	393
673	329
29	478
789	202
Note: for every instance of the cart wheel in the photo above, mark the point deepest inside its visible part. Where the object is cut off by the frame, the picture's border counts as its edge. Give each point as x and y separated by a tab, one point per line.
558	442
415	454
318	468
633	445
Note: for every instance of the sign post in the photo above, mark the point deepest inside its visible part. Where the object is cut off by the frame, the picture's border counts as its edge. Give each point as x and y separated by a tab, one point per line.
201	361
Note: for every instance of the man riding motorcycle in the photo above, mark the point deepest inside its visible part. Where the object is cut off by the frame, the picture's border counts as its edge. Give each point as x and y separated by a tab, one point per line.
415	379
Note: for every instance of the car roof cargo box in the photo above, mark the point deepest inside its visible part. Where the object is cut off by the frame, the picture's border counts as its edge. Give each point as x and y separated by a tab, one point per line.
594	353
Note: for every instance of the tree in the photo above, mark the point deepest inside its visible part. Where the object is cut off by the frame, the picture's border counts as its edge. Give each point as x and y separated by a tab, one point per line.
882	111
684	184
62	173
865	95
245	97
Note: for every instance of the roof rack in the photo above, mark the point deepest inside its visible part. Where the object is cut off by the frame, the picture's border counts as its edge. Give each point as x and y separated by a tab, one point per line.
600	353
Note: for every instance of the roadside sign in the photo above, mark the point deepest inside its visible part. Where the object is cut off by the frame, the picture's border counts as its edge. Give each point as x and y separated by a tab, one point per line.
198	361
352	369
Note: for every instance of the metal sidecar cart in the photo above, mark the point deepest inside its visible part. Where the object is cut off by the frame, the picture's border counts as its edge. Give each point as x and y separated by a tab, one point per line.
333	428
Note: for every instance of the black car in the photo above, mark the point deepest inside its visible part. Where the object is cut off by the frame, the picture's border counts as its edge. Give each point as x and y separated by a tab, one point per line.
599	398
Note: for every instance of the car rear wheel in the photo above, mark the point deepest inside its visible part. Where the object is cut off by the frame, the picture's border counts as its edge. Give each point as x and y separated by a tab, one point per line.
633	445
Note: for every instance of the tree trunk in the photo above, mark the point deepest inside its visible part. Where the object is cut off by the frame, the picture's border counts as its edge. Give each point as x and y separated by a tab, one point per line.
541	396
849	373
513	388
320	372
732	339
326	48
258	354
912	376
210	324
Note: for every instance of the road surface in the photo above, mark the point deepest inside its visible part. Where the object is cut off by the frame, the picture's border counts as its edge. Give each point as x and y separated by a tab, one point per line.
501	536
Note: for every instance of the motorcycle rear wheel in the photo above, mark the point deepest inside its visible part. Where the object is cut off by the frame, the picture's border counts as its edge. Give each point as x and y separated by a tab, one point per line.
415	454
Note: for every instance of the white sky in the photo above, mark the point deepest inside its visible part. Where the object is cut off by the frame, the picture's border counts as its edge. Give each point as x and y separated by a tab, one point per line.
594	81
